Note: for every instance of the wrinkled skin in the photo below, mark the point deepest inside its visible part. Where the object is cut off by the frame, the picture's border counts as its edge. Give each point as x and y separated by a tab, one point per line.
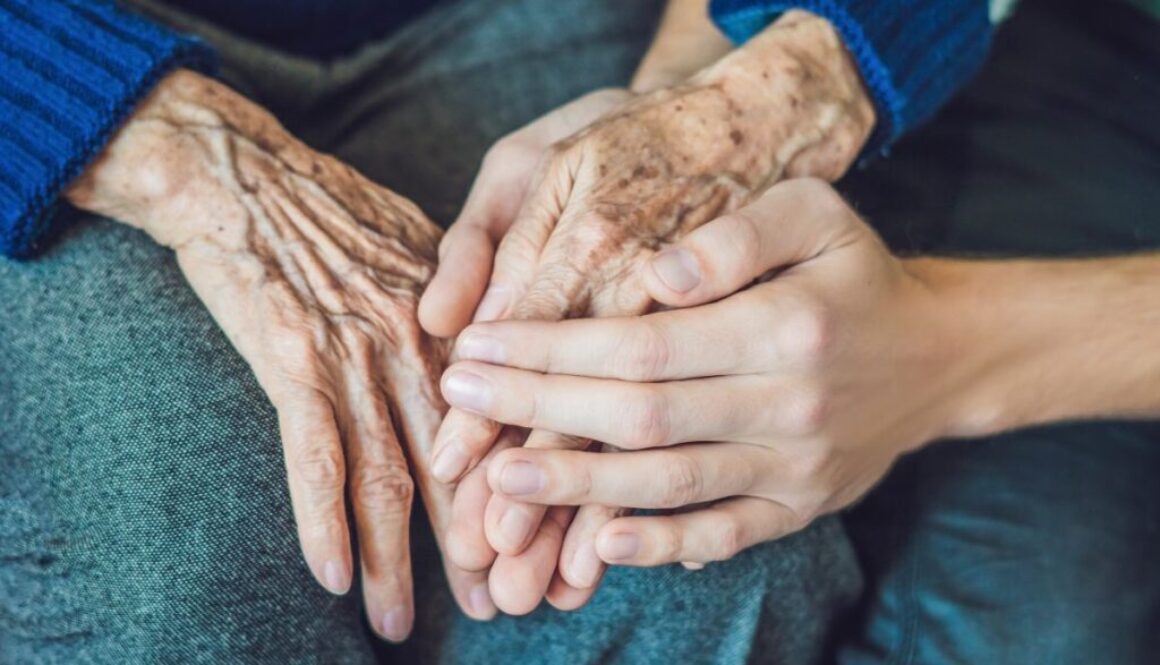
314	273
765	434
599	203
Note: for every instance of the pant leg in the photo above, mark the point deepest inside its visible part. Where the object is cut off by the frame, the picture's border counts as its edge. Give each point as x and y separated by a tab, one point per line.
143	511
416	113
1037	546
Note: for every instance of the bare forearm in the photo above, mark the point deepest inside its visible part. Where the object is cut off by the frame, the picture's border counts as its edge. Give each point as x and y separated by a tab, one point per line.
1053	339
686	42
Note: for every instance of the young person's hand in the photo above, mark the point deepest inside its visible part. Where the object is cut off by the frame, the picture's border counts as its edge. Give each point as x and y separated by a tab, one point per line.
599	203
314	273
746	416
754	412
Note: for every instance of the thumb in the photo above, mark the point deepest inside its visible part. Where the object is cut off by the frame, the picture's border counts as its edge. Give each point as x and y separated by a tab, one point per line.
465	257
505	177
468	248
793	222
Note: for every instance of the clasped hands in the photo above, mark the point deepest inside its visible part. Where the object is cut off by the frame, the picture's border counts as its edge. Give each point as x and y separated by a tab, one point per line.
587	222
604	208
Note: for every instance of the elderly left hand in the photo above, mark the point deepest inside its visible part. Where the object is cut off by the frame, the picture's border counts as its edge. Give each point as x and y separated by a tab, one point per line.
757	412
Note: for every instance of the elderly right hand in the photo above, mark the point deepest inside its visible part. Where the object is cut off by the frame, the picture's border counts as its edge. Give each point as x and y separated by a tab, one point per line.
314	273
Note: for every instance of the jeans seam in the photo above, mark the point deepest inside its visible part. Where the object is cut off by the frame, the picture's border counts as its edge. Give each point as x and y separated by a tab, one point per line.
908	609
910	615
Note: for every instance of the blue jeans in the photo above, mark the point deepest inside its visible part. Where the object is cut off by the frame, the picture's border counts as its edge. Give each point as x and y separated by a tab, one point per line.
1039	546
143	509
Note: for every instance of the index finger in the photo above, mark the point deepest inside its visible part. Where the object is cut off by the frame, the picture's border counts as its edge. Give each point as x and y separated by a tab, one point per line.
721	338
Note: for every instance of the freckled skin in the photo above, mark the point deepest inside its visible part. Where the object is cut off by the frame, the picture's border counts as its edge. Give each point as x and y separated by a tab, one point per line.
311	245
313	272
790	104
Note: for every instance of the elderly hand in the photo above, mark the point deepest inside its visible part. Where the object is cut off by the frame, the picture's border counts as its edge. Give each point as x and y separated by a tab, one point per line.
314	273
600	203
755	413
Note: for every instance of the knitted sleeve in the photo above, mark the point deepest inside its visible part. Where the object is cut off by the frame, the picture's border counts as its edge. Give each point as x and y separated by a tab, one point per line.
71	71
913	54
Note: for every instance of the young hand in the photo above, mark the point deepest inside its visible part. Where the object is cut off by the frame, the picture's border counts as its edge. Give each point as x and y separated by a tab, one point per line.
748	414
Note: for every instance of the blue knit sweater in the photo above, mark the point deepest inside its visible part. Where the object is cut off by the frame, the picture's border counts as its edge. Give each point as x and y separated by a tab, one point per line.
71	71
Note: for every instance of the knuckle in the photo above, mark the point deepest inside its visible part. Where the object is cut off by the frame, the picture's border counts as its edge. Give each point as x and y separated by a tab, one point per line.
535	412
299	350
383	487
321	469
682	480
811	469
521	241
806	412
551	298
672	543
744	238
649	424
595	237
728	538
643	354
810	332
579	483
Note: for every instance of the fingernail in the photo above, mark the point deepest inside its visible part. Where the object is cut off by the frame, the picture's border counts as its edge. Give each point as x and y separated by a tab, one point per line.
467	391
495	302
678	269
485	348
480	601
395	625
585	566
621	546
449	463
521	478
337	579
514	525
692	565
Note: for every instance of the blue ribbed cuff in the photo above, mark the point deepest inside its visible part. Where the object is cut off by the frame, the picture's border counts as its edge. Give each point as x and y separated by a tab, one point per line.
913	54
72	72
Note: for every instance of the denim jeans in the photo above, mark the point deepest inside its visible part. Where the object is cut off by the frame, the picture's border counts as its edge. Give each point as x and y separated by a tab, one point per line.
143	511
1038	546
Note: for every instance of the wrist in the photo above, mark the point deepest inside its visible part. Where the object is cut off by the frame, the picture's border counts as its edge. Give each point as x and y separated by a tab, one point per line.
970	349
798	70
157	173
1040	341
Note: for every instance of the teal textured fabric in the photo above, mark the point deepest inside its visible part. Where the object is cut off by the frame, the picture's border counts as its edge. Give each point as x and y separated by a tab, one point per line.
143	512
1036	546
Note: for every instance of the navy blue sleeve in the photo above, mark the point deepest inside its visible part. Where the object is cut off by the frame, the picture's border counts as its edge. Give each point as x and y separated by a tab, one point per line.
71	71
913	54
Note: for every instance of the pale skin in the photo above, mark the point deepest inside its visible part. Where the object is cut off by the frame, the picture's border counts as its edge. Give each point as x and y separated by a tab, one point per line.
565	211
831	359
314	273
